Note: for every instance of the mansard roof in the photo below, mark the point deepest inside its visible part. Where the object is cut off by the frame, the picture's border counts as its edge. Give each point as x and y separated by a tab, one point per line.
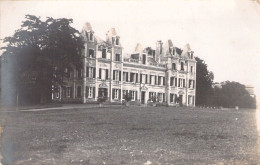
111	33
139	48
87	27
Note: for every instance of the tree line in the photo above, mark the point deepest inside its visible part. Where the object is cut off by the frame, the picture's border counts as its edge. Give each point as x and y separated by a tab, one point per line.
228	94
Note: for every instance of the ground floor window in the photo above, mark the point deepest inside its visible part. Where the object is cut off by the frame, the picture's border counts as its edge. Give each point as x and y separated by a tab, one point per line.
90	92
79	91
116	94
69	91
190	99
173	98
57	93
134	95
152	95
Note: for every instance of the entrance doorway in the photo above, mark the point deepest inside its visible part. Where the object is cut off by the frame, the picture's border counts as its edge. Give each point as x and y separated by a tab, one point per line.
143	98
180	99
102	92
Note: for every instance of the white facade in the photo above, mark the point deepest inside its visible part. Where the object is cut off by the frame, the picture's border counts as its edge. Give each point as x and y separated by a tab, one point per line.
165	73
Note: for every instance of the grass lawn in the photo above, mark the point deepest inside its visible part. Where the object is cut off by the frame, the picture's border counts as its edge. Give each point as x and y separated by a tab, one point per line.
130	135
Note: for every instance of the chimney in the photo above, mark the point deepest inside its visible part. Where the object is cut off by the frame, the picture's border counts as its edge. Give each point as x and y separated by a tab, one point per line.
159	46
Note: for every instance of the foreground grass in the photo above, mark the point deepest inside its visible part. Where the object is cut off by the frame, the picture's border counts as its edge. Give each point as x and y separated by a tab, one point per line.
134	135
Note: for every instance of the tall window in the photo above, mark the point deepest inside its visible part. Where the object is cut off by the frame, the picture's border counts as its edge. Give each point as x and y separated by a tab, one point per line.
104	53
133	77
91	53
134	94
117	75
69	91
90	92
91	36
172	98
79	71
79	91
117	57
174	66
125	76
116	94
117	41
191	69
91	72
144	59
182	66
173	81
103	74
57	93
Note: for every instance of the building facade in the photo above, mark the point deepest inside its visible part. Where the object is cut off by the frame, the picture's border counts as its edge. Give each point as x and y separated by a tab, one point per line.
166	74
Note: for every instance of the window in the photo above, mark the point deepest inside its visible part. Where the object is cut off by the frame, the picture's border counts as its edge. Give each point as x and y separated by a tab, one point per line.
117	75
133	95
91	72
116	94
124	93
103	74
117	57
132	77
173	81
57	93
172	98
191	69
91	36
125	76
117	41
152	79
182	66
174	66
90	92
104	53
79	91
79	71
144	59
143	78
152	95
160	97
69	92
91	53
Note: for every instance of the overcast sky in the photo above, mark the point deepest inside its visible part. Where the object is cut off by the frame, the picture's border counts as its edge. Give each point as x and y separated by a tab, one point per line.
225	33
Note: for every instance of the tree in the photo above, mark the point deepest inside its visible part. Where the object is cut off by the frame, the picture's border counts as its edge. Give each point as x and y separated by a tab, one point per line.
233	94
204	79
38	54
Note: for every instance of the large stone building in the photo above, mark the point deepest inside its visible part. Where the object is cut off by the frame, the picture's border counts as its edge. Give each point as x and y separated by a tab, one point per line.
166	73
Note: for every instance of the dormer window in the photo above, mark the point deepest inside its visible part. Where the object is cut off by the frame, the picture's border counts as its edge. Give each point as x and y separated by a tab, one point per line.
182	66
104	53
91	53
117	57
174	66
91	36
117	41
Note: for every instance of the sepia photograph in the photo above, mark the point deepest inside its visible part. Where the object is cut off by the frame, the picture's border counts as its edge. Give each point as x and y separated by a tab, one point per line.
122	82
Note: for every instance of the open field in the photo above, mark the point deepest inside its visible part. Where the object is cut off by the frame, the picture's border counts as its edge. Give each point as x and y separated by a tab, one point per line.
134	135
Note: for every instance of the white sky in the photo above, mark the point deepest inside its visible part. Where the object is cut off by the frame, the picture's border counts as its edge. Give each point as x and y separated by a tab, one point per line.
225	33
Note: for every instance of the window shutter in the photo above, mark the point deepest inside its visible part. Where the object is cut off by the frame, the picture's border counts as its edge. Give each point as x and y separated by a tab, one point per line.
183	82
146	78
136	77
94	92
155	79
141	78
94	72
100	72
87	72
150	82
113	74
163	80
106	74
119	92
135	95
119	75
113	93
175	81
87	89
126	76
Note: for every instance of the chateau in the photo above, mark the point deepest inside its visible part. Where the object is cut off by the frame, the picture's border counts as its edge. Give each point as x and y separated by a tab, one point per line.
166	73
